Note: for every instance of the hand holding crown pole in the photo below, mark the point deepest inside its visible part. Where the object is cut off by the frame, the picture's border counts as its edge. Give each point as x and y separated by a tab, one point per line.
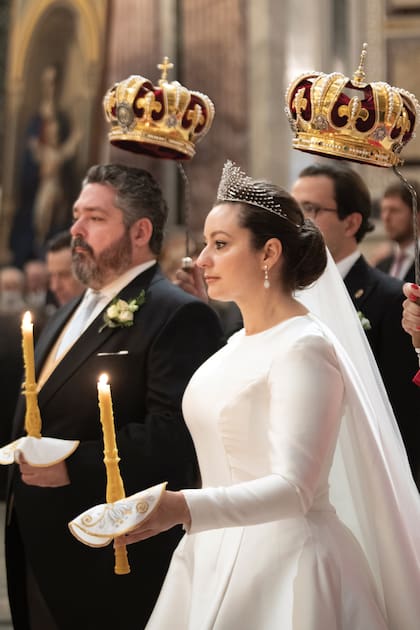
415	335
115	487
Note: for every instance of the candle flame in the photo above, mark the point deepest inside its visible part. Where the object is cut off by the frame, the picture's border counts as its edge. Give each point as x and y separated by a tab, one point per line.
103	379
27	319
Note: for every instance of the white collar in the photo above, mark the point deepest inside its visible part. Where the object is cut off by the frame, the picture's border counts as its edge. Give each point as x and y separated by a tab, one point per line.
345	264
116	286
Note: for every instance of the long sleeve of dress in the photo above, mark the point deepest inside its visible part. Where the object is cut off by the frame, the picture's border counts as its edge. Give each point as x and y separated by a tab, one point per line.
305	391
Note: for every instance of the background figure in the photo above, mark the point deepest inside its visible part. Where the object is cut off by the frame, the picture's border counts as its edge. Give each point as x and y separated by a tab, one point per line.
290	429
39	299
12	287
62	281
36	283
10	380
338	201
46	174
49	200
117	232
12	306
397	219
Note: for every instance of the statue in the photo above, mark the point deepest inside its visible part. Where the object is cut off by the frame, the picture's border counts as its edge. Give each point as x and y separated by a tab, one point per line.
50	145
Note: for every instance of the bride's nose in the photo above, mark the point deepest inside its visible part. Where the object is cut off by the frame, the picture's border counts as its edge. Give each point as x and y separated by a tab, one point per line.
204	259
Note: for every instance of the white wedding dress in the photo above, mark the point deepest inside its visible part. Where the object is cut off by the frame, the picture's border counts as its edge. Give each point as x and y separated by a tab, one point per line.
266	549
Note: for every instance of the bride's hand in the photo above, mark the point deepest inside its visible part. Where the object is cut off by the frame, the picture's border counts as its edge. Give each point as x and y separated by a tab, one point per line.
172	510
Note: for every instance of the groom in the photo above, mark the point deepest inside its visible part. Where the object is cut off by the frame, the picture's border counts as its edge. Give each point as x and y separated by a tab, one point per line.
54	581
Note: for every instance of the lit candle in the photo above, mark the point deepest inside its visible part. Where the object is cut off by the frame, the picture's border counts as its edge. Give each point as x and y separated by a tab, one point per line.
32	415
28	347
114	487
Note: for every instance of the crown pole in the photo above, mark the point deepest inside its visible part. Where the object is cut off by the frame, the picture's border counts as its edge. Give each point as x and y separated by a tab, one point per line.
187	261
414	206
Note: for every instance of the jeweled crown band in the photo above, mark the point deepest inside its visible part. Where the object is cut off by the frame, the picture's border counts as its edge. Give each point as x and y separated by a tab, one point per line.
237	186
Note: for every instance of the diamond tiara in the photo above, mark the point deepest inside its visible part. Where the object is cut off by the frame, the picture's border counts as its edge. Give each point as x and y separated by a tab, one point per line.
237	186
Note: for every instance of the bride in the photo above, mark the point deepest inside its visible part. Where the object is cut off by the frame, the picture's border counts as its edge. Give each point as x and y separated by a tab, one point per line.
308	517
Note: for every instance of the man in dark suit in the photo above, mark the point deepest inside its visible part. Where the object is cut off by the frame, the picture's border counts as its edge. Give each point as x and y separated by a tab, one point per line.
10	380
338	201
397	218
62	282
149	355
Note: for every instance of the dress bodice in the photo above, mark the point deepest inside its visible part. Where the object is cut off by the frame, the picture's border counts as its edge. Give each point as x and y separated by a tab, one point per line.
267	413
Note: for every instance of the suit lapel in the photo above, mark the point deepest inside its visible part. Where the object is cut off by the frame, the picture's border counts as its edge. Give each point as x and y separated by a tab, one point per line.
359	282
385	264
91	340
52	331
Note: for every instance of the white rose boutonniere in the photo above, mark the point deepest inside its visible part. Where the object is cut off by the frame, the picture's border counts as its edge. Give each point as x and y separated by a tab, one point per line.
364	321
120	314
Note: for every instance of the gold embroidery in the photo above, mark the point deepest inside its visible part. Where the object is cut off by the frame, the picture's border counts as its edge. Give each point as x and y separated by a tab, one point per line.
142	507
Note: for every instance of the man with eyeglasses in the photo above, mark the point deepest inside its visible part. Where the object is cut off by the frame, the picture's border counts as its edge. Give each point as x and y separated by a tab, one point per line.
336	198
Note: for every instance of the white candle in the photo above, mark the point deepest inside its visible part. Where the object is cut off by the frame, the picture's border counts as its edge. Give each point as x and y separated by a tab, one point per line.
28	347
32	415
114	487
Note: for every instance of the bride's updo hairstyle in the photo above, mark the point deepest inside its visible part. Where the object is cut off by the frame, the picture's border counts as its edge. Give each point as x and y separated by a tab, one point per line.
268	211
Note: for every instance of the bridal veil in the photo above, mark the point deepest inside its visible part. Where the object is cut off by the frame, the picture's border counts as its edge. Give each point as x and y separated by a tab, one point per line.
371	483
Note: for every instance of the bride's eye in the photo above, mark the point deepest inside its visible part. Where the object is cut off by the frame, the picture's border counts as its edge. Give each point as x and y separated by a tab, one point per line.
219	244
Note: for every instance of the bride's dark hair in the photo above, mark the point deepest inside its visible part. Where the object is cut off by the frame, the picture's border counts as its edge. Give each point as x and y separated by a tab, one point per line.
304	252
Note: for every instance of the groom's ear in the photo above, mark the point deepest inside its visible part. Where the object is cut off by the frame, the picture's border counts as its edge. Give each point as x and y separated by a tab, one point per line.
141	232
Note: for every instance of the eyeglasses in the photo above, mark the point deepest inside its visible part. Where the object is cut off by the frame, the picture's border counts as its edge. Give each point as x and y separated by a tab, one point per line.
312	209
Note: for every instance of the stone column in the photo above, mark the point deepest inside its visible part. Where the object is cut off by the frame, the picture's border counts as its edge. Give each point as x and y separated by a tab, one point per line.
169	29
266	58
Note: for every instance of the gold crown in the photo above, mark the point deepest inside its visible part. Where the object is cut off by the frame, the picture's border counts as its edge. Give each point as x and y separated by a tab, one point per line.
363	122
163	121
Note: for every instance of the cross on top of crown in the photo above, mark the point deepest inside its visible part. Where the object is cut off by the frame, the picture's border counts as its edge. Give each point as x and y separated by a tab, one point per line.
360	74
164	66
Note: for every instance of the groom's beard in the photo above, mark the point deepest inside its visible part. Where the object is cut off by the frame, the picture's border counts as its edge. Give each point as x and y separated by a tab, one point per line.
91	269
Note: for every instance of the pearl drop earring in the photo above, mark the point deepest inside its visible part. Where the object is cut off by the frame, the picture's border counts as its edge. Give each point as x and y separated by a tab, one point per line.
266	280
